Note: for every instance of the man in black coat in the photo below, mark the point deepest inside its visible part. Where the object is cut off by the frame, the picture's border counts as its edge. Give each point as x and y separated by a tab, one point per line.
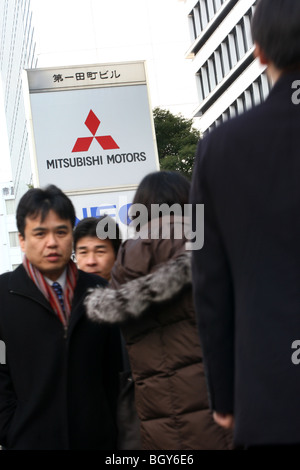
59	382
246	277
97	255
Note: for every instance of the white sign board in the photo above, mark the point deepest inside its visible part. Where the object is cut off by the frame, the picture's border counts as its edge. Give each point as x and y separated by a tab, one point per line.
92	127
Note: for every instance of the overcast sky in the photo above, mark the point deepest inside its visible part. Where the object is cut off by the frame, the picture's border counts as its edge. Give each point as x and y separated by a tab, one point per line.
71	32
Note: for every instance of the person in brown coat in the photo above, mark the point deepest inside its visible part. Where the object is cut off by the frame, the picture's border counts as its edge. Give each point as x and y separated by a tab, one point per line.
151	297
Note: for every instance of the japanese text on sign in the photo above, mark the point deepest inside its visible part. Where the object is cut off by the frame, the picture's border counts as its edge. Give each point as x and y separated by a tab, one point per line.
108	74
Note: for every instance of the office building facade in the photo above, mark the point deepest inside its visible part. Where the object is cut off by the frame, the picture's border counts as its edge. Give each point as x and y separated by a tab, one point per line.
229	79
17	52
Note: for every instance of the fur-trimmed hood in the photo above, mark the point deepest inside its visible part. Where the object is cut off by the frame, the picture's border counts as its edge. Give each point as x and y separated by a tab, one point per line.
134	297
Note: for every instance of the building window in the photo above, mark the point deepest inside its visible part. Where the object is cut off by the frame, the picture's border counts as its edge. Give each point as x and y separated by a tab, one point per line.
202	13
13	239
10	206
204	81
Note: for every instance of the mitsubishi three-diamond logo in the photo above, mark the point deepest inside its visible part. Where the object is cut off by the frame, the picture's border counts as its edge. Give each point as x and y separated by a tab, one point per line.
82	144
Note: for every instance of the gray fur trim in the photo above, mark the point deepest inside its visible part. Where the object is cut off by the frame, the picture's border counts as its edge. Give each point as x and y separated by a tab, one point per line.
134	297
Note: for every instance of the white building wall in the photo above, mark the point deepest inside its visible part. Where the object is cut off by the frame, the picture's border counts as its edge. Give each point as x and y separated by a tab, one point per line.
5	264
10	251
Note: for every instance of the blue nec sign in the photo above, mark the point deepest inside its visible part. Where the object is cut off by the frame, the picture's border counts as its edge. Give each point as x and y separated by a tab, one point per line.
110	209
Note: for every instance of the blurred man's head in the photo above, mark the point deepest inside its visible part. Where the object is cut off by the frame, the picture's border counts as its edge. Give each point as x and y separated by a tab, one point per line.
45	220
276	33
93	254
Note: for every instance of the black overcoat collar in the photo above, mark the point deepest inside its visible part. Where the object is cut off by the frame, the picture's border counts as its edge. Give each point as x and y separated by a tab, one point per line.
21	284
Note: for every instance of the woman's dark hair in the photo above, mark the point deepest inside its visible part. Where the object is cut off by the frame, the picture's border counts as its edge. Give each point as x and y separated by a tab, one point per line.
38	202
276	29
162	187
87	227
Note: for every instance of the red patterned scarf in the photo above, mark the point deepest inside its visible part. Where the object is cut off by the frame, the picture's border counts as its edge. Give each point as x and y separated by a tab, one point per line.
50	293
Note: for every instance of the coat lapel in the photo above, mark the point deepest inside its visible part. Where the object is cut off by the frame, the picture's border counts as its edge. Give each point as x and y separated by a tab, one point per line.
84	282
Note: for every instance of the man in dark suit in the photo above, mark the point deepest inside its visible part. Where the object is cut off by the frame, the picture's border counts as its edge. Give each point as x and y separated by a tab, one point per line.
59	382
246	277
97	255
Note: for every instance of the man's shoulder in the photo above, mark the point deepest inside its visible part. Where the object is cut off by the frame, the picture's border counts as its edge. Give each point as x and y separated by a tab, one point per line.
241	125
7	277
4	279
234	137
91	280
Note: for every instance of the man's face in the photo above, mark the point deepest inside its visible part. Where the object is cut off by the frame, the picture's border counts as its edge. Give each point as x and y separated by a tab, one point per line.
48	244
95	256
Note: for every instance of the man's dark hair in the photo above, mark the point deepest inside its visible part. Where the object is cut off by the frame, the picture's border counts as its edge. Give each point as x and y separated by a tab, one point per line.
87	227
38	202
276	29
162	187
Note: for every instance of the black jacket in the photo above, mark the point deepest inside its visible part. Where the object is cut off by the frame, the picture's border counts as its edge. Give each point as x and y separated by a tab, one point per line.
57	391
247	275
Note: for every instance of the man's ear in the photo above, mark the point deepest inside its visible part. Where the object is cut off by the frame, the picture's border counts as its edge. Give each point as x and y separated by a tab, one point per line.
22	242
259	53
